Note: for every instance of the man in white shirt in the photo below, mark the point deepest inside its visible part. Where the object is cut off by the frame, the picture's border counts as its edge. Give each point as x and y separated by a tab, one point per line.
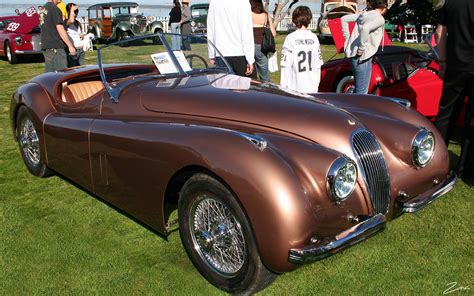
229	28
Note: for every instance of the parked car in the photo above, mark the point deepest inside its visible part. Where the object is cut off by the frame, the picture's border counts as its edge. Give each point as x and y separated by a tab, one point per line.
20	36
199	18
397	71
120	20
264	179
331	9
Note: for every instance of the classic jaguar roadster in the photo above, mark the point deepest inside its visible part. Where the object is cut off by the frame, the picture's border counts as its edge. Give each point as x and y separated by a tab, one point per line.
264	179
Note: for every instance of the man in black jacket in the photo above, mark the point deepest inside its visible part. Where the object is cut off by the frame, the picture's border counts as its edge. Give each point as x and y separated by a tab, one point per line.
455	34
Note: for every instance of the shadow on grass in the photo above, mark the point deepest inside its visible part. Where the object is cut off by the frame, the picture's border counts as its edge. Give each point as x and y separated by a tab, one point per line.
117	209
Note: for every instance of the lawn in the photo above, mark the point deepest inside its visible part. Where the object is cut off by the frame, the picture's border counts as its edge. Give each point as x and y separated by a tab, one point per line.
58	239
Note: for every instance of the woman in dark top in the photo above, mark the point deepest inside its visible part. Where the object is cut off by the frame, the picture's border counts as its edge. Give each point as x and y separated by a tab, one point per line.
174	24
260	20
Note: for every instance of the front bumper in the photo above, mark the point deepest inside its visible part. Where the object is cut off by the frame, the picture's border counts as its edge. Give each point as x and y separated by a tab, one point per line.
331	245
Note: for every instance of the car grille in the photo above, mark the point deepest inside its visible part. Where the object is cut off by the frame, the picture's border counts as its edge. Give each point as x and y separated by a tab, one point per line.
374	169
36	42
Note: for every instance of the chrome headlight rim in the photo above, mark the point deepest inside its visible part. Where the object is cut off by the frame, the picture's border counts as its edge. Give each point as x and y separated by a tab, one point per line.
337	166
133	20
18	40
422	135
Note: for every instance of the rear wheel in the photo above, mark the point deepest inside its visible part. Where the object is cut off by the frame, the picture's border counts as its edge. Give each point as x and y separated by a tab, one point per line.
346	84
12	58
218	238
29	143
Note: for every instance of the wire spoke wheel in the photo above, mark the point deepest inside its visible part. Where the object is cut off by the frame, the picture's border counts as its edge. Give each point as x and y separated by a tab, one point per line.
217	236
29	141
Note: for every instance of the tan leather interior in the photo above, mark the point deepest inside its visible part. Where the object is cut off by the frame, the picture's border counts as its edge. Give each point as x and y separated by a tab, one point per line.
77	92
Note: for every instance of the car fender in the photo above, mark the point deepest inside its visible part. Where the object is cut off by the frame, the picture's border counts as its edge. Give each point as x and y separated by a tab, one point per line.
122	27
283	196
156	25
37	100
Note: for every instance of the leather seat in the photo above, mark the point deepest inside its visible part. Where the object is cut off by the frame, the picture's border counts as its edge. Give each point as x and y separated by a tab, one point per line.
77	92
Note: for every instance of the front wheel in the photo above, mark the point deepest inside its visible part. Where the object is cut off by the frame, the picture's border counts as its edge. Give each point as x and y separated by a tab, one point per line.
29	143
346	85
12	58
218	238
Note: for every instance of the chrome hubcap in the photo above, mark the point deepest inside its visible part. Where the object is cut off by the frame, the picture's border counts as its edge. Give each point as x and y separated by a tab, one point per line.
9	53
217	236
29	142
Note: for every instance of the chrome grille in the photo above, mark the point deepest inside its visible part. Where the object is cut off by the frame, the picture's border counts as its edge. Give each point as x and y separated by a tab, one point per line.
374	169
36	42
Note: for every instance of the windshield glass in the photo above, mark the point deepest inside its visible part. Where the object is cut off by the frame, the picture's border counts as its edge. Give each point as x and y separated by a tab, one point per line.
151	57
199	11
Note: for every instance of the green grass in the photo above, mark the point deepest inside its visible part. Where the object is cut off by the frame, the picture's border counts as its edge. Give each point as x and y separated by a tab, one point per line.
58	239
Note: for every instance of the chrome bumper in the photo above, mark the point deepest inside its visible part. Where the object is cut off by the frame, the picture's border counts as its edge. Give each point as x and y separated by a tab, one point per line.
343	240
419	202
367	228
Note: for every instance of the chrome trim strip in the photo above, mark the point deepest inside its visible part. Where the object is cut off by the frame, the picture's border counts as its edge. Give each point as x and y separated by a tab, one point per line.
28	52
402	102
330	246
419	202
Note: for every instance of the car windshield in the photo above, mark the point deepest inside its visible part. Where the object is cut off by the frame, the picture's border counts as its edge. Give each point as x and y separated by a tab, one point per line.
151	57
199	11
124	10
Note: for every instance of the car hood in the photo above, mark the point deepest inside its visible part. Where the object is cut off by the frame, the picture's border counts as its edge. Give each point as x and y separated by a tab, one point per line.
237	99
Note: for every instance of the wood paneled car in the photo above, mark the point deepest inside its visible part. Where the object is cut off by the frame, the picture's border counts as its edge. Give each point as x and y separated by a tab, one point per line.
120	20
264	179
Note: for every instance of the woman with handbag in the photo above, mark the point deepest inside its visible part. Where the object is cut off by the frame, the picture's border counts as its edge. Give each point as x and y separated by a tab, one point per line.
261	22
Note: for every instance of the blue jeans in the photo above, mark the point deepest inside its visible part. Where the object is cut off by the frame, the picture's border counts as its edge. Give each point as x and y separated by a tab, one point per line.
362	72
261	63
175	40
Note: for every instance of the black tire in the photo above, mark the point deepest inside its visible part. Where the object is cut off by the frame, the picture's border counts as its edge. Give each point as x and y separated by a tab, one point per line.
245	273
345	84
121	36
29	144
156	40
12	58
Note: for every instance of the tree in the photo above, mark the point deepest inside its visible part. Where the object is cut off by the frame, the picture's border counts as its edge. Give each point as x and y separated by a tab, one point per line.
282	6
418	12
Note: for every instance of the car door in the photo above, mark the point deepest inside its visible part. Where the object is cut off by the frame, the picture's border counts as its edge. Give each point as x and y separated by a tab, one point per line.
67	139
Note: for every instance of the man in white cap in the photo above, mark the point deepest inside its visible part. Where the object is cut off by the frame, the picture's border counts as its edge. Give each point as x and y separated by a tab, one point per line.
229	28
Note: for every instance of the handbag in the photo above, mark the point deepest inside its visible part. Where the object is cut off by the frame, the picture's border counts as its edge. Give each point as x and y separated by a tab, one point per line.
268	42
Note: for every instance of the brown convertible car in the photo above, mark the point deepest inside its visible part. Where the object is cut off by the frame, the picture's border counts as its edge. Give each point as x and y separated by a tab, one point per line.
263	179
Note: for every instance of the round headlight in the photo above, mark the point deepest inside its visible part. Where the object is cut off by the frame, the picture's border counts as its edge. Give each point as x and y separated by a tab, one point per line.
18	40
342	178
422	149
193	23
133	20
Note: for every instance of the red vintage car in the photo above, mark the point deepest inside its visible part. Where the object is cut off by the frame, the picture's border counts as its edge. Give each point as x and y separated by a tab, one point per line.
20	36
397	71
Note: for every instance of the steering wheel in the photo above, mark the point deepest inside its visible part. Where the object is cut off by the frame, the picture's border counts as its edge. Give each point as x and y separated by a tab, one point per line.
191	57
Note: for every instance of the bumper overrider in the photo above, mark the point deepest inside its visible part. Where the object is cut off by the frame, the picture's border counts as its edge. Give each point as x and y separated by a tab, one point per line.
328	246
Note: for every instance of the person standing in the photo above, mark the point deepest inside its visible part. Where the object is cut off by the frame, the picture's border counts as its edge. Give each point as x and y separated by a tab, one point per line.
63	9
363	43
54	38
174	23
260	20
301	58
229	28
74	31
186	25
455	33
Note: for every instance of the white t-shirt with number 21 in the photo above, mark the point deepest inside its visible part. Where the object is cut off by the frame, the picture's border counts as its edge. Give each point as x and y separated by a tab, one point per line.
301	62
